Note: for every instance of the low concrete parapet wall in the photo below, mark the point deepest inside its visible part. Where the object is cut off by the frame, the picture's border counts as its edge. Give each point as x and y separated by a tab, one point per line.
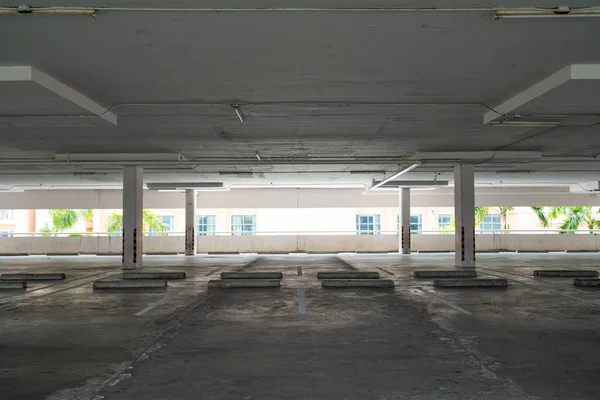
298	243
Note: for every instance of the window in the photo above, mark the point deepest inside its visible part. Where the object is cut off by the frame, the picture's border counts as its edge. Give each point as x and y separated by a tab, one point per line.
7	215
444	221
243	225
168	221
368	224
491	222
416	223
205	225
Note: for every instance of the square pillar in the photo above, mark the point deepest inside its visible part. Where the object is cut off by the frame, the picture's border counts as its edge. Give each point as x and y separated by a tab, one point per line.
404	215
133	185
190	222
464	215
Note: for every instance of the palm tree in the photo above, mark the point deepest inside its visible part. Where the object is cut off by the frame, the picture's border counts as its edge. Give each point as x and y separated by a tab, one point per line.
480	214
503	213
541	215
63	219
574	217
150	222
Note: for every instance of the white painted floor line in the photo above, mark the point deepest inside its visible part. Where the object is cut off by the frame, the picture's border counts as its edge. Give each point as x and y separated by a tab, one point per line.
446	302
301	302
151	306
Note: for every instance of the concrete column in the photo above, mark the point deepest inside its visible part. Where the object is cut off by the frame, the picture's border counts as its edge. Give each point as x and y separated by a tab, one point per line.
464	215
133	181
190	222
404	213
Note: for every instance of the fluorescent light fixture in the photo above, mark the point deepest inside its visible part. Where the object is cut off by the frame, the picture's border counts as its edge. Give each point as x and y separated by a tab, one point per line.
113	157
25	9
525	123
394	176
184	185
367	172
478	155
413	184
236	107
558	12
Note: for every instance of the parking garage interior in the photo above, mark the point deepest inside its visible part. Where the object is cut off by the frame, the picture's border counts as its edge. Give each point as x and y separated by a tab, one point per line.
296	106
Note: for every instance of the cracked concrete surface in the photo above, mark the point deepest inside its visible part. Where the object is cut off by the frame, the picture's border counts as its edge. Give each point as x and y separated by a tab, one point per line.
535	340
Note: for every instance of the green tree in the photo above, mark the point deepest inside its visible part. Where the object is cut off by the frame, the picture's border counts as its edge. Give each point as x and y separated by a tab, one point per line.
63	219
574	217
86	214
480	214
503	216
150	222
542	215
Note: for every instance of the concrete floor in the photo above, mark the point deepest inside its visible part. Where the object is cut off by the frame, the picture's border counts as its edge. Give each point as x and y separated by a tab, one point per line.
538	339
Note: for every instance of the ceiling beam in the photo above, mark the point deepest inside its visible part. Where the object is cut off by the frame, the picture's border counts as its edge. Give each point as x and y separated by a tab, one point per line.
570	72
31	74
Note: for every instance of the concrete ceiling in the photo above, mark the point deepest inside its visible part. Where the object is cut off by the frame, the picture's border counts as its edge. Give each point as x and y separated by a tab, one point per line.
322	93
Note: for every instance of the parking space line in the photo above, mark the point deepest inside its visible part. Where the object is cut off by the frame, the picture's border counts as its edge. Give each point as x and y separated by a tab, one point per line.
54	284
151	306
301	302
546	291
25	295
213	271
386	271
446	302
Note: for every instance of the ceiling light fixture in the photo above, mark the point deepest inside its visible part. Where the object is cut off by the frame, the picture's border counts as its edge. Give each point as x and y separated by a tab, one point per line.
25	9
558	12
236	107
184	185
394	176
525	123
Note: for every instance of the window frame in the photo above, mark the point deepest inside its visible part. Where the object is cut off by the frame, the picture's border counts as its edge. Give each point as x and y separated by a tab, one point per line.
210	227
240	229
373	226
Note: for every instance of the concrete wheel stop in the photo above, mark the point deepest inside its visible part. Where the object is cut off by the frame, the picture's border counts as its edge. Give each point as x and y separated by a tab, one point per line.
130	284
357	283
32	277
348	275
565	273
251	275
586	282
154	275
8	285
452	273
244	283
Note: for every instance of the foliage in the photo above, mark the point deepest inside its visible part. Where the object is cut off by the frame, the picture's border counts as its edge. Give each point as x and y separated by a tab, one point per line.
480	214
541	215
503	214
87	214
574	217
63	219
150	221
